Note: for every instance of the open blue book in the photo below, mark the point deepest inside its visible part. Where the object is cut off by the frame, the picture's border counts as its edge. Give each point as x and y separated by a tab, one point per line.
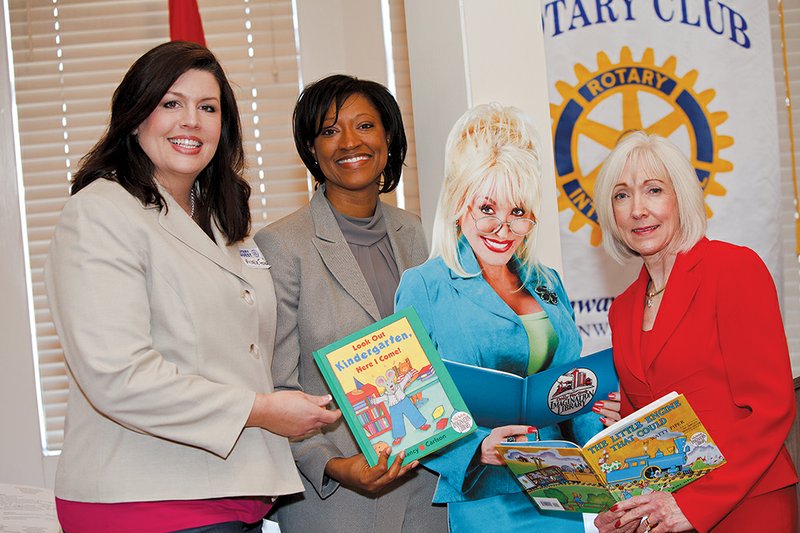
496	398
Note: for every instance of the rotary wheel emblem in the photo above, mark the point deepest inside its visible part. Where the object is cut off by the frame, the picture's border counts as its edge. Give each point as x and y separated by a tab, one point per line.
626	96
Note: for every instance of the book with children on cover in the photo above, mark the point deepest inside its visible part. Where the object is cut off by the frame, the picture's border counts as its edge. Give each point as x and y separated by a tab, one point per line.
662	446
393	389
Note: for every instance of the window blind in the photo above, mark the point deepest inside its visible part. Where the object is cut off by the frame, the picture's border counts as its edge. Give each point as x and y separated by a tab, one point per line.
402	76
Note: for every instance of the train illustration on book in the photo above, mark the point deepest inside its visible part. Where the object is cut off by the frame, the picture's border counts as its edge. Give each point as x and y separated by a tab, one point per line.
638	468
555	475
647	468
662	447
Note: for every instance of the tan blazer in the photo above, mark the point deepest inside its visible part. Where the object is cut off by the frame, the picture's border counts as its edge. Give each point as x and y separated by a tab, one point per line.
323	296
167	337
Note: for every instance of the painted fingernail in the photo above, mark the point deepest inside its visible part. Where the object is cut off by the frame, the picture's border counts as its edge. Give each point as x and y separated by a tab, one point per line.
603	419
618	524
596	408
531	429
614	507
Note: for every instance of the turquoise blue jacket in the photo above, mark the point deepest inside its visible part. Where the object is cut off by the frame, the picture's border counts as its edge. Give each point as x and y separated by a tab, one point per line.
469	323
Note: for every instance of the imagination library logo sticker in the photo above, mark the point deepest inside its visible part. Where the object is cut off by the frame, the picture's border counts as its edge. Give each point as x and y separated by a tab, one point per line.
621	97
572	391
461	421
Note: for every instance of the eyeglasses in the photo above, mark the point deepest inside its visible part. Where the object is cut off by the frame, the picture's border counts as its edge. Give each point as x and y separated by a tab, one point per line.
490	224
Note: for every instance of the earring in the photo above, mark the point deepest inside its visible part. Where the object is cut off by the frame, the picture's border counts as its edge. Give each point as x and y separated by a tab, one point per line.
390	154
315	163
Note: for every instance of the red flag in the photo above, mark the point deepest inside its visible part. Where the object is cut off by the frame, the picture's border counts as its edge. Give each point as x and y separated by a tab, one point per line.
184	22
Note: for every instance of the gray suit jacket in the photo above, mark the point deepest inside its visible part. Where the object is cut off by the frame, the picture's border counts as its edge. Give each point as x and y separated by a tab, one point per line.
323	296
167	336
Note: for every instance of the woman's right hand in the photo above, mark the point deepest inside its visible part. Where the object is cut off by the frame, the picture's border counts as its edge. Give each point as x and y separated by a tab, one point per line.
355	473
291	413
489	455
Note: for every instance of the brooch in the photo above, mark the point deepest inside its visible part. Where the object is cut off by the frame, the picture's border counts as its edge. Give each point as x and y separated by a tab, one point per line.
546	295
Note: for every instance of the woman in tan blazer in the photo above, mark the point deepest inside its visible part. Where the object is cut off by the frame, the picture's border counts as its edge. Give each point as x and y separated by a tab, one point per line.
336	265
166	312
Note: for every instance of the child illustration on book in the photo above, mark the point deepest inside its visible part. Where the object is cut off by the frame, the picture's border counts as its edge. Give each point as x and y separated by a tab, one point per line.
399	404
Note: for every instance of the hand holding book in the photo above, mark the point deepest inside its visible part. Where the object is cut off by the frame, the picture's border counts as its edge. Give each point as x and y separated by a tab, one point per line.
354	472
395	394
645	511
292	414
512	433
659	448
608	409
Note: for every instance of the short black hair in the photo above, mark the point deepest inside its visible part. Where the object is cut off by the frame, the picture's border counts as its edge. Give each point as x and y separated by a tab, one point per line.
313	104
223	192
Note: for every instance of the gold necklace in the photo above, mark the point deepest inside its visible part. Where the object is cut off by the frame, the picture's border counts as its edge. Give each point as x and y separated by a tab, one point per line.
652	294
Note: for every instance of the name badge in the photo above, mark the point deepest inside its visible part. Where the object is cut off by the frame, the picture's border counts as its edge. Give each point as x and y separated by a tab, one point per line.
252	258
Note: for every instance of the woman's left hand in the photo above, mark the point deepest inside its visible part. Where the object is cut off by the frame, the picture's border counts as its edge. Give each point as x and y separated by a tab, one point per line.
657	512
489	455
608	409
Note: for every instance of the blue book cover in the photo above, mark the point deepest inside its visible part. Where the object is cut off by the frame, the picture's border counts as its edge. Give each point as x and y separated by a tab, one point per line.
496	398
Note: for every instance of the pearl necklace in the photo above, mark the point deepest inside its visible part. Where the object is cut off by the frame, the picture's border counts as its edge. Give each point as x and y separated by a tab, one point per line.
650	295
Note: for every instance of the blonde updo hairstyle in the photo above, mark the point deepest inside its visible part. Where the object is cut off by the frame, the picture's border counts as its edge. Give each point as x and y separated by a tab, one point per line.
492	152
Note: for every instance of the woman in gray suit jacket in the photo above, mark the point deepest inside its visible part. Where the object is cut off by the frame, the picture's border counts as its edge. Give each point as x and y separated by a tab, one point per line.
336	264
166	312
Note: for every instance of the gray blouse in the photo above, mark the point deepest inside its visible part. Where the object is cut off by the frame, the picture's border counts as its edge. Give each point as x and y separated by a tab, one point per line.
369	242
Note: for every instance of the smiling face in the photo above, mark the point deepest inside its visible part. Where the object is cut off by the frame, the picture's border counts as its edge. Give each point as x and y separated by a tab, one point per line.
352	150
493	250
181	134
645	210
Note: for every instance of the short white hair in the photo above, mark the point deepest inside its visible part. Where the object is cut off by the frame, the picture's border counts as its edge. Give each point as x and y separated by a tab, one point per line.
492	152
656	157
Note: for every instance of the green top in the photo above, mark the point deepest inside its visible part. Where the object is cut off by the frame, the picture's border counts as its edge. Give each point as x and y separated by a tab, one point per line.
542	339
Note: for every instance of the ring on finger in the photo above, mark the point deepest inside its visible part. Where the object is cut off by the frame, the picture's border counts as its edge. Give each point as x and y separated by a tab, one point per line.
646	523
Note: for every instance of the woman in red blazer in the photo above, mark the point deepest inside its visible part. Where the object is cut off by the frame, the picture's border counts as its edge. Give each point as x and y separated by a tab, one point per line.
702	319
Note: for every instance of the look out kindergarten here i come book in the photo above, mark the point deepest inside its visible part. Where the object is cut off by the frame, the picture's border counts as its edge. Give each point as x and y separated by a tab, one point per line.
661	447
393	389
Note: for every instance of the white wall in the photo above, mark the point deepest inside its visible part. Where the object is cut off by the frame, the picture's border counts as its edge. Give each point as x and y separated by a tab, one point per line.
341	36
21	459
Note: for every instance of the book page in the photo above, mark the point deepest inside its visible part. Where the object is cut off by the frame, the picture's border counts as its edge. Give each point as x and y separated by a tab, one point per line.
632	417
555	475
663	448
28	509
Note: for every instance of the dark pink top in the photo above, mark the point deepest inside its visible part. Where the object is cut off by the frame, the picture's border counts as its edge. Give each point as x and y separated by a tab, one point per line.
158	517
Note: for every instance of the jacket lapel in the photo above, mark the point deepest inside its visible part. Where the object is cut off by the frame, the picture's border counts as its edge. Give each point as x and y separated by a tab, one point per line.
177	223
475	288
335	253
632	338
682	285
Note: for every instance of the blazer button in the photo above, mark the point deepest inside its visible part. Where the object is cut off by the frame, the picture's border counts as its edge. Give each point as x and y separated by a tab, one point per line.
254	351
247	296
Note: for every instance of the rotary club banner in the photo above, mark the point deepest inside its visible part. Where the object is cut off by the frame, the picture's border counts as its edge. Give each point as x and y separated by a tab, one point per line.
698	72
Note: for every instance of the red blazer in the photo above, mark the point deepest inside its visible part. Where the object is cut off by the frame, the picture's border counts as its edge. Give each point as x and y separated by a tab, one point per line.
718	339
